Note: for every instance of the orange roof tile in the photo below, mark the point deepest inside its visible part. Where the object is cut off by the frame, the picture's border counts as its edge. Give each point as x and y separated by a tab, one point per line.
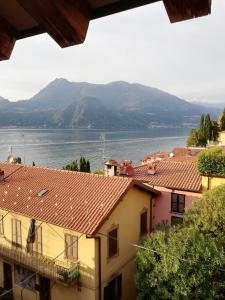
172	173
79	201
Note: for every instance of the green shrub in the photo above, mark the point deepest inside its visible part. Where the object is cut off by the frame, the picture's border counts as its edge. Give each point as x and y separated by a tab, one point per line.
211	162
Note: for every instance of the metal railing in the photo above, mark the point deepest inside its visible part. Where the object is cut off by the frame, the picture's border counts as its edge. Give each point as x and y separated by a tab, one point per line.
65	271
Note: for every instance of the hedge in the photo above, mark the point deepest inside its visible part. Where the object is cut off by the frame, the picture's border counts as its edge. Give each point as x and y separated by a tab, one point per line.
211	162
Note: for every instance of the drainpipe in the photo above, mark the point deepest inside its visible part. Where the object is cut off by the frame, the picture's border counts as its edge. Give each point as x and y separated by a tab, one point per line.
98	239
150	213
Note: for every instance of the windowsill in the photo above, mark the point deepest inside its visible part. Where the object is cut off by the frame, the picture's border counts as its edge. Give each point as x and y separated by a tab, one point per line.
177	213
109	259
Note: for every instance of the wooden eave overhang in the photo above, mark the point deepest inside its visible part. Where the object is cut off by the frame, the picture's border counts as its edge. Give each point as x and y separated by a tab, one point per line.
67	21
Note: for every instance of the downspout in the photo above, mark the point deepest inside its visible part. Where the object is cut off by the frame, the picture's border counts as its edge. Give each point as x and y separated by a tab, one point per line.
151	208
99	268
99	265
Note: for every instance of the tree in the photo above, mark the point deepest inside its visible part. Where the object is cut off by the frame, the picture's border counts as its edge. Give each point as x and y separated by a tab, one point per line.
73	166
222	121
188	261
84	165
192	138
202	132
208	128
17	160
88	166
208	213
215	131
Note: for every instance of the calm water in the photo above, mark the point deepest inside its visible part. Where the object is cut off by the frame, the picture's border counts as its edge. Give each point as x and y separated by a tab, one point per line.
56	147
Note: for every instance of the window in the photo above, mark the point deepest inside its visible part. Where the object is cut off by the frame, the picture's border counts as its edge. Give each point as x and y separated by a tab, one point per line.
71	246
36	246
143	222
21	278
177	203
16	233
113	242
1	225
114	289
176	220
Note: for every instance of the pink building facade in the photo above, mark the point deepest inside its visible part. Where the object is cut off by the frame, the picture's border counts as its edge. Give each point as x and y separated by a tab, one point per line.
163	209
179	183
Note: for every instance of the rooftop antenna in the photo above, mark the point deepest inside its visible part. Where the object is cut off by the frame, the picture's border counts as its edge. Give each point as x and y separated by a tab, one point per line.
10	156
102	138
10	149
23	149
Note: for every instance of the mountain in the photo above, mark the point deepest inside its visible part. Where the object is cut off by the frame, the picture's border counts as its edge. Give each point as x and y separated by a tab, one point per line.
117	105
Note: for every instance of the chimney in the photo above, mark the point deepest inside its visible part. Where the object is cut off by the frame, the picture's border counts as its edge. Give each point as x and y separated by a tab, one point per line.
110	168
126	168
2	175
152	168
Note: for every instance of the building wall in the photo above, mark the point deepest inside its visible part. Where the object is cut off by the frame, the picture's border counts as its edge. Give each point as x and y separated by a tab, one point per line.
127	217
54	244
222	138
162	209
209	182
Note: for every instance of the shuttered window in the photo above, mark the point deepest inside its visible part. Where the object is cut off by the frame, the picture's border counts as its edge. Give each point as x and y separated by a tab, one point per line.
71	246
1	225
16	233
177	203
143	222
113	242
37	246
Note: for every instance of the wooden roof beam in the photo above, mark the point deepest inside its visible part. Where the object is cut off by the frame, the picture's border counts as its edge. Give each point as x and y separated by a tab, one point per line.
65	21
119	6
7	39
178	10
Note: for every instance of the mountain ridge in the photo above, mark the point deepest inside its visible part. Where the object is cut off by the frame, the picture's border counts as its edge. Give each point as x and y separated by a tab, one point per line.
115	105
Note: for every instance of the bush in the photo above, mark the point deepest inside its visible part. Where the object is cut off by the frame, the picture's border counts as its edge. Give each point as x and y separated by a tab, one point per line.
211	162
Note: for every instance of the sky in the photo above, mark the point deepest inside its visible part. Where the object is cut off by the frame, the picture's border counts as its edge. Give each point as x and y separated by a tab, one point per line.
186	59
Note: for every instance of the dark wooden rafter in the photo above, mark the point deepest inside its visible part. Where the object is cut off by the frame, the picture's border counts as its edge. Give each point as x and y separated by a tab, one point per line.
7	39
118	7
65	21
178	10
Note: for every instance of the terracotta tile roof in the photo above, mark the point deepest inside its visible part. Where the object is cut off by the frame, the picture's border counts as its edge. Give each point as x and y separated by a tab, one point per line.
159	154
184	151
74	200
172	173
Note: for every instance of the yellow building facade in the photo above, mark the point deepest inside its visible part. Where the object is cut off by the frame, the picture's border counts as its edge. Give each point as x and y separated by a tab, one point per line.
97	266
209	182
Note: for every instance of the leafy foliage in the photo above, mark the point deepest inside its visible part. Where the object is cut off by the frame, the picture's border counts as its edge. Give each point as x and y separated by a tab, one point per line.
83	166
193	138
208	213
17	160
211	162
187	262
222	121
208	130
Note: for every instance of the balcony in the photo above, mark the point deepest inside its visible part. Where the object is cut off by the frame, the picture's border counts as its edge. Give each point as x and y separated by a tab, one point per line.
64	271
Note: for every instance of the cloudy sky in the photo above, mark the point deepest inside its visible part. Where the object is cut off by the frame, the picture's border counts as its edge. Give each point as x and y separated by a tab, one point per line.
140	45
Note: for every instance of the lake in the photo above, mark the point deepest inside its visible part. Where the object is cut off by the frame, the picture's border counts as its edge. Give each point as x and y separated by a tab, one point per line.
57	147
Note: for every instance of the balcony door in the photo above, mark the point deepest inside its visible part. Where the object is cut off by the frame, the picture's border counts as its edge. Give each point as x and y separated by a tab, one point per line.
45	288
7	269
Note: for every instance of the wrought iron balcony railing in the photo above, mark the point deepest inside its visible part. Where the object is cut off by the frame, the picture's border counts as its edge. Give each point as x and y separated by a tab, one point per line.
65	271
